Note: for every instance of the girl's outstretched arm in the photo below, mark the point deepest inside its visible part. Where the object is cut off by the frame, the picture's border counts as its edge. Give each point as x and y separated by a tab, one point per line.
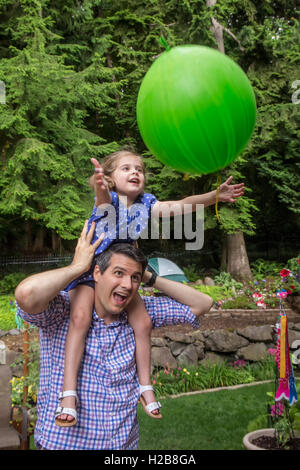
227	193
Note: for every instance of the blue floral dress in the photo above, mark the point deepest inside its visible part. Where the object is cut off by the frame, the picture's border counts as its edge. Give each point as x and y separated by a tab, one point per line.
119	224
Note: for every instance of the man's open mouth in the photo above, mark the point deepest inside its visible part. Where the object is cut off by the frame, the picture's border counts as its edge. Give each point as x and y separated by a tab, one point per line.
119	299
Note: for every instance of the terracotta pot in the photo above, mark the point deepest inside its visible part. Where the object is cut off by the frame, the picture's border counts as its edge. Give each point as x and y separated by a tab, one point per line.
247	440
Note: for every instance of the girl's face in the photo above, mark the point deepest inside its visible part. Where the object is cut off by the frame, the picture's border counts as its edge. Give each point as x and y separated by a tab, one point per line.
129	177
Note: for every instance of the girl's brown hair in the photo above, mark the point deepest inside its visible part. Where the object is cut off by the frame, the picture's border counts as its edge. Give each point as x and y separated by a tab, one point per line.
109	164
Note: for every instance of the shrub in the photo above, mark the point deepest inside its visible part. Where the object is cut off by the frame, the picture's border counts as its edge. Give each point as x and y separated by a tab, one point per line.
10	282
7	313
241	301
262	268
228	283
191	273
216	292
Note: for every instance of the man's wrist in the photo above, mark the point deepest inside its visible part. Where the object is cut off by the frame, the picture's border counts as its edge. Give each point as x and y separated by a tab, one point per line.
151	281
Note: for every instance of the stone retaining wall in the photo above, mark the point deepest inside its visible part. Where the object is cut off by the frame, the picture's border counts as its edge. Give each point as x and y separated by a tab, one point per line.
250	343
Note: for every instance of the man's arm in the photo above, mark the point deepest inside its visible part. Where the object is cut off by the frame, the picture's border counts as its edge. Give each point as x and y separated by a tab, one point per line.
227	193
198	302
34	293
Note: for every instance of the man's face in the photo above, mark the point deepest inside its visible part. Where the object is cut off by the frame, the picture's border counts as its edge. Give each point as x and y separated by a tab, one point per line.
116	287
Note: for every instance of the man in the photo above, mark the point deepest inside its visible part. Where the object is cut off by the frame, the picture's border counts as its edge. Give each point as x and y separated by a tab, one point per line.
107	382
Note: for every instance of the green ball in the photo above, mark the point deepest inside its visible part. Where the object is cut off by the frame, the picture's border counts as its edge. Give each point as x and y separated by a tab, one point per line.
196	109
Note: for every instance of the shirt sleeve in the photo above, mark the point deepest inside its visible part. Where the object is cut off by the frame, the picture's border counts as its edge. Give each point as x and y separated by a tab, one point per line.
165	311
53	316
148	200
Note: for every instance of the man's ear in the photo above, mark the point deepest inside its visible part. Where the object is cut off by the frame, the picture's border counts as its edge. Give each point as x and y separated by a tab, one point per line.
96	273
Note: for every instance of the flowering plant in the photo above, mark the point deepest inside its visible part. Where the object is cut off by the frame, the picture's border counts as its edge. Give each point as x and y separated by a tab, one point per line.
289	280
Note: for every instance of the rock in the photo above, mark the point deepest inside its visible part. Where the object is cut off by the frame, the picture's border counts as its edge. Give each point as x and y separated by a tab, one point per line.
3	333
177	348
200	350
294	339
14	332
197	336
213	358
257	333
179	337
296	326
208	281
225	341
159	342
189	356
253	352
2	353
199	282
161	356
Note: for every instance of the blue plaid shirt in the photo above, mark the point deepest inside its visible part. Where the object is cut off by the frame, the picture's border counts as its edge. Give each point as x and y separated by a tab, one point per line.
107	382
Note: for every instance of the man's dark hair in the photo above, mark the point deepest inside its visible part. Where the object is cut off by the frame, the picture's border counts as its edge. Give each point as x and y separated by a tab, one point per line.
126	249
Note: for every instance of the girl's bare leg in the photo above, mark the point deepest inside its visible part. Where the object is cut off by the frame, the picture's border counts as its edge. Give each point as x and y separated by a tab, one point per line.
80	320
141	324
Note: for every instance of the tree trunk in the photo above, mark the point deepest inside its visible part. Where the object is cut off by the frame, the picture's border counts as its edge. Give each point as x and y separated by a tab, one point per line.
223	266
234	253
56	242
237	258
28	237
38	245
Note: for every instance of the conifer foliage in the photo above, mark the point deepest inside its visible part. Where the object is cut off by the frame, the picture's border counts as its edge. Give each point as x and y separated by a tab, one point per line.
72	71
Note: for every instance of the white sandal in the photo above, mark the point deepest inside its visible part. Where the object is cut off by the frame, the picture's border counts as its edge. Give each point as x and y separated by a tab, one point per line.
155	405
61	410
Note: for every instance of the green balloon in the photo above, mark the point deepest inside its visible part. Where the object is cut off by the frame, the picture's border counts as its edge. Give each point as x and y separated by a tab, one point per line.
196	109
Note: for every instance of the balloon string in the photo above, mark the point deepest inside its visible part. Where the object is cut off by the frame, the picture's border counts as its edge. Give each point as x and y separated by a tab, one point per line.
219	180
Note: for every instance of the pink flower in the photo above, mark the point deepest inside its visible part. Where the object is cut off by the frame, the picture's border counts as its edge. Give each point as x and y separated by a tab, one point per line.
154	381
240	363
277	409
272	351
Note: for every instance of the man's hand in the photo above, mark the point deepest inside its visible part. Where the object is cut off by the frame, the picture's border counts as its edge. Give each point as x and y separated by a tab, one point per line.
230	192
35	292
85	250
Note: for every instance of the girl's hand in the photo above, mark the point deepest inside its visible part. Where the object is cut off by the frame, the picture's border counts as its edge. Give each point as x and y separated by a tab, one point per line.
230	192
99	178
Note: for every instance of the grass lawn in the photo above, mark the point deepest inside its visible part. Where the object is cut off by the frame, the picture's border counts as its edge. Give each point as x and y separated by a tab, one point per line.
208	421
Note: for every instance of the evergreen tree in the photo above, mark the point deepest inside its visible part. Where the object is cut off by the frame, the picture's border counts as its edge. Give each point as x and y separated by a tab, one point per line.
46	147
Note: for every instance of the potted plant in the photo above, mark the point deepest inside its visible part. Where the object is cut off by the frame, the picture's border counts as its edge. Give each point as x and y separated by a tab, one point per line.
283	412
280	427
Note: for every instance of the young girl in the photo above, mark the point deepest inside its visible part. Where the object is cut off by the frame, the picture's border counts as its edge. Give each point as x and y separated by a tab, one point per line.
119	183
